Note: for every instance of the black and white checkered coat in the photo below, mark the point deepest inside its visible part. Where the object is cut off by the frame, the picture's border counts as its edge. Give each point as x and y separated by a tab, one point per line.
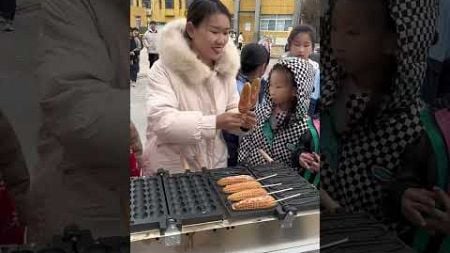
285	138
367	148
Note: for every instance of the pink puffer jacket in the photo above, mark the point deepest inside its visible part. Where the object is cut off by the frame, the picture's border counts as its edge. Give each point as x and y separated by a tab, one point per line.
185	96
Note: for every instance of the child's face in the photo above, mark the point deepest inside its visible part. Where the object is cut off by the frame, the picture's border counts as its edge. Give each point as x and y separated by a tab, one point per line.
358	36
301	46
280	89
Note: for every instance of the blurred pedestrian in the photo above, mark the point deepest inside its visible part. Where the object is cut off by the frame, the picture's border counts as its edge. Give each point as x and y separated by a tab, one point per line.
149	40
240	41
135	49
301	43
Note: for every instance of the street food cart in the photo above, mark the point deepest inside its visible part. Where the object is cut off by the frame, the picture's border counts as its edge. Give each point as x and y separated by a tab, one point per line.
189	212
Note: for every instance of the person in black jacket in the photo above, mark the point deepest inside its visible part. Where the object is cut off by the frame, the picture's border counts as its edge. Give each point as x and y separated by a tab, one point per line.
135	49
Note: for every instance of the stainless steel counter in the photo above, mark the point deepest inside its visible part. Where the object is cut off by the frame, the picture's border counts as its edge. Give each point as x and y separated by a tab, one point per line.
240	236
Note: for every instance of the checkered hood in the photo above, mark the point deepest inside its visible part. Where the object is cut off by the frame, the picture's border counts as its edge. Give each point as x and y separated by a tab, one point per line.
369	154
286	138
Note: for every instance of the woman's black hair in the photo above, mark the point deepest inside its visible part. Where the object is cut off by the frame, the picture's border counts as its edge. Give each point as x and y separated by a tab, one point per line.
291	78
199	10
302	29
253	56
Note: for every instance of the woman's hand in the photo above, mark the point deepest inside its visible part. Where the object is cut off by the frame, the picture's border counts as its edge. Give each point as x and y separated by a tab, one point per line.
415	203
229	121
249	120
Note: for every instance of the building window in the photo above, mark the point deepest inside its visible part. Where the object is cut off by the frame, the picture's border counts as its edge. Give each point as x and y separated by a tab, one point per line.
275	22
138	22
169	4
180	4
137	3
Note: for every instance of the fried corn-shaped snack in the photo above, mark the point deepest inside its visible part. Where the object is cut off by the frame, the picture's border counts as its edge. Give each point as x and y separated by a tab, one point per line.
232	188
245	99
246	194
262	202
256	84
234	180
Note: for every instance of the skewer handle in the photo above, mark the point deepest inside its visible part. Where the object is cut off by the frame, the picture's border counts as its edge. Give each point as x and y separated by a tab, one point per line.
265	155
270	185
267	177
290	197
284	190
335	243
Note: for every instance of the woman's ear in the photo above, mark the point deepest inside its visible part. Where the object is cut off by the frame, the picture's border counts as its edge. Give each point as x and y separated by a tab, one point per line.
190	30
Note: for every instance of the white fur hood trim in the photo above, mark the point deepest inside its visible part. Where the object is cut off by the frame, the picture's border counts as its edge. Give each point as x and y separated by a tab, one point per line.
175	54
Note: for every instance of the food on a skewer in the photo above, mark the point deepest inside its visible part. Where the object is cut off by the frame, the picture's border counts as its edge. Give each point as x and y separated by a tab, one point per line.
246	194
251	193
256	84
256	203
234	180
262	202
245	99
232	188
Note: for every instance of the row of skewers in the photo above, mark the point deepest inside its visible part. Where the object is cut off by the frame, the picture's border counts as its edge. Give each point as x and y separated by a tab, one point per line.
247	193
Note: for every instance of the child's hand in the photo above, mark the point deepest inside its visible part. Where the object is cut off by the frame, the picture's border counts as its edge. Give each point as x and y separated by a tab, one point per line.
441	219
305	160
415	203
315	165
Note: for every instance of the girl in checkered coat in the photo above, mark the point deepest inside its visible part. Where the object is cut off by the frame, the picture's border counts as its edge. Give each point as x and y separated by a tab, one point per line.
282	118
377	138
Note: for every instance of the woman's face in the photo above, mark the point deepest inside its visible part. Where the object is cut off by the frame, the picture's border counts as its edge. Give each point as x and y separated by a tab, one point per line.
280	89
210	37
301	46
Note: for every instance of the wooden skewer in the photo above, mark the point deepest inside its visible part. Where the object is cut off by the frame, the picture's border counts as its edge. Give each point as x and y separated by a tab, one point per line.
267	177
328	202
270	185
290	197
284	190
334	243
265	155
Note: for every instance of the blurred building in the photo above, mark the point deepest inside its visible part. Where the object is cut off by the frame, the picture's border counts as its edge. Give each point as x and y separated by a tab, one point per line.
164	11
139	13
276	17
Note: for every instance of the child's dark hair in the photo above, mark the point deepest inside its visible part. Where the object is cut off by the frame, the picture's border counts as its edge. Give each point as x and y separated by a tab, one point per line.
199	10
302	29
152	22
291	79
389	23
253	56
